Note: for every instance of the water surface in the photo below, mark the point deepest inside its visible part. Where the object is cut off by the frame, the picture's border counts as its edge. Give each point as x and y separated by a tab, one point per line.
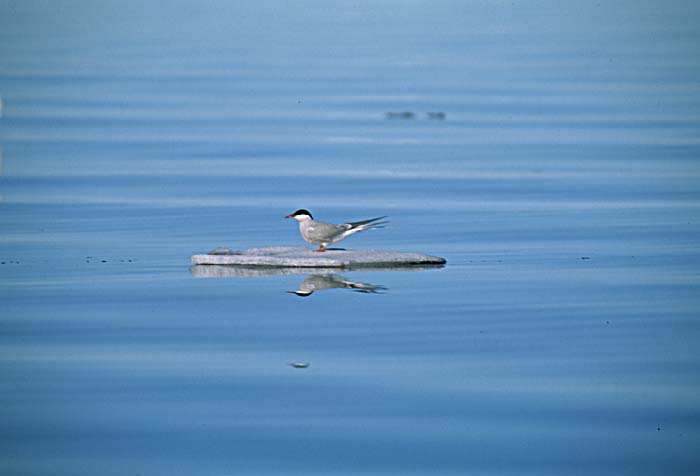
562	186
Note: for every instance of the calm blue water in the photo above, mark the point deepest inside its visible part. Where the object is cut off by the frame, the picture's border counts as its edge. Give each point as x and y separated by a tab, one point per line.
562	186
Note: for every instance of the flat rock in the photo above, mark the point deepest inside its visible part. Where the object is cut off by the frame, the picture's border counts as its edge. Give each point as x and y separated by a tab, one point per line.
299	257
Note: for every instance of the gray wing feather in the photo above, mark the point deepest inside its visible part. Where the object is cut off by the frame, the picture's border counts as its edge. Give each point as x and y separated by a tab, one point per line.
322	232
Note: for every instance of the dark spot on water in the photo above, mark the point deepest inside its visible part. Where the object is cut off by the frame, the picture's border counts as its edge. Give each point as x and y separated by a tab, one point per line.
104	260
658	428
400	115
585	257
607	322
299	365
436	115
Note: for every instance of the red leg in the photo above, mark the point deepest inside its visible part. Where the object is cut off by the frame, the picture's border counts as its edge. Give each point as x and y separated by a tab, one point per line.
321	249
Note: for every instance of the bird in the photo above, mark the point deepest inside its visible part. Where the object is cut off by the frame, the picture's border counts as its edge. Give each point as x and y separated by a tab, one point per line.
324	234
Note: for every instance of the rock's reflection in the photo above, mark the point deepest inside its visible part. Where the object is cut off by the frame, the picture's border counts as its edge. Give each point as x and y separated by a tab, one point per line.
317	279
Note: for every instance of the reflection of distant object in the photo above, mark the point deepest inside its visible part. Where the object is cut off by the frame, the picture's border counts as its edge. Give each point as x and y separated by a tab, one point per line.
324	234
228	271
299	365
320	282
317	279
439	116
0	106
400	115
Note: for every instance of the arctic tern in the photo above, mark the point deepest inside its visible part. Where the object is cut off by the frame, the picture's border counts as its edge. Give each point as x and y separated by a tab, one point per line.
324	234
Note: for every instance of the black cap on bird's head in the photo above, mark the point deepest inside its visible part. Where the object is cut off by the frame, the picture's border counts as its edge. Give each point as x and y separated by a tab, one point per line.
301	211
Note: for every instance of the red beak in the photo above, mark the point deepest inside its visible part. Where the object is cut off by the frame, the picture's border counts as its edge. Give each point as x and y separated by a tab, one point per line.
290	216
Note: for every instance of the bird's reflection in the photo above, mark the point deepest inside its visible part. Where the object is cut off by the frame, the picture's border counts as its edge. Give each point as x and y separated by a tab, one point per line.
321	282
316	279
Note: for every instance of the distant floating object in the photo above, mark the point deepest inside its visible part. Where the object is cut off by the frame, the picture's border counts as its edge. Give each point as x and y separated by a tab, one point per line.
434	116
299	365
400	115
301	257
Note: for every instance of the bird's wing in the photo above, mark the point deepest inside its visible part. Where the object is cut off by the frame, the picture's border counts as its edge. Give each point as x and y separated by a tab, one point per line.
322	232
